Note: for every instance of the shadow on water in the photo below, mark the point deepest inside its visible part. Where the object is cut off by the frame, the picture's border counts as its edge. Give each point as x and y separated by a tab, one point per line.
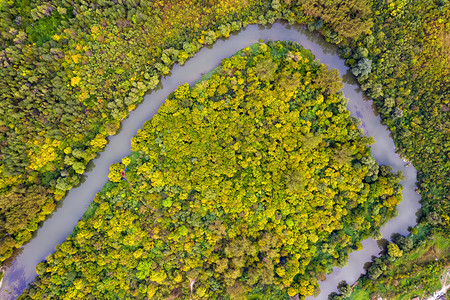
9	261
349	78
374	108
382	244
317	38
368	264
91	165
265	27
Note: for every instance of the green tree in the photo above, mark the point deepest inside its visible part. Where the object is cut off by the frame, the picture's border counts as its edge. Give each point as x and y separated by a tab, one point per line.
345	289
265	69
362	68
115	172
394	251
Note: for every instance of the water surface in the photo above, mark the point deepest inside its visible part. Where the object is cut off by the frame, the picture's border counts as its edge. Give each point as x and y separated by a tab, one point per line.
21	270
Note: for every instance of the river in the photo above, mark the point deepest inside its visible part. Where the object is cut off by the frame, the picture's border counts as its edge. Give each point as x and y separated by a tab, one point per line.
20	270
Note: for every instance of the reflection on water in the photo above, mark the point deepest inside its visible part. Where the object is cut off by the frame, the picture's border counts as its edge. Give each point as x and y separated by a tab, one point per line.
382	243
55	230
348	77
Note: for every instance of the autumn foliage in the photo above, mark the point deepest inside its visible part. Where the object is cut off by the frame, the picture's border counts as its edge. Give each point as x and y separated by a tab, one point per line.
253	181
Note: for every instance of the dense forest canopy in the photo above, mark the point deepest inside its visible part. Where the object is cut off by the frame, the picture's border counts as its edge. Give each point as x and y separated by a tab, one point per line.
409	82
253	182
70	71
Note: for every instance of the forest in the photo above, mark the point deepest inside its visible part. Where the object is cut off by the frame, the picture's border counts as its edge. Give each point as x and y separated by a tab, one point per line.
408	267
71	71
253	182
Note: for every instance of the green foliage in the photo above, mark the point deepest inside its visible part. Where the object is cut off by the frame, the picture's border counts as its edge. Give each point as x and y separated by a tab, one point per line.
349	18
345	289
71	72
63	184
415	273
328	80
43	29
143	269
394	251
409	81
265	69
362	67
18	214
232	188
115	172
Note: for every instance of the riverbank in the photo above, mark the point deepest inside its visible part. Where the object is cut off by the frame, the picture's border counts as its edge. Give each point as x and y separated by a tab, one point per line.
62	222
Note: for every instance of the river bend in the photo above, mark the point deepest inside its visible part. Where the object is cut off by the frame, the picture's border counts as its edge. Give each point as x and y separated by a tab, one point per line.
20	271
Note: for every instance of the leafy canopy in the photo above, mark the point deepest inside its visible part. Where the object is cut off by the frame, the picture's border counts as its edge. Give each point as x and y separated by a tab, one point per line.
252	181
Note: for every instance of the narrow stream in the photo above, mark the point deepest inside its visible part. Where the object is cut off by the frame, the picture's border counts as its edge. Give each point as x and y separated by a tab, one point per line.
20	271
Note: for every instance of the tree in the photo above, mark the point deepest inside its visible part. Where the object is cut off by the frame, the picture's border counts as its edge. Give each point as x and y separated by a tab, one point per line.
79	167
231	182
433	218
63	184
345	289
394	251
19	205
328	80
265	69
115	172
404	243
377	268
350	18
362	68
295	181
311	141
343	156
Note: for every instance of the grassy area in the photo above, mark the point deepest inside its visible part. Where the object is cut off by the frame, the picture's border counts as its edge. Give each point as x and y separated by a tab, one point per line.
416	273
360	294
